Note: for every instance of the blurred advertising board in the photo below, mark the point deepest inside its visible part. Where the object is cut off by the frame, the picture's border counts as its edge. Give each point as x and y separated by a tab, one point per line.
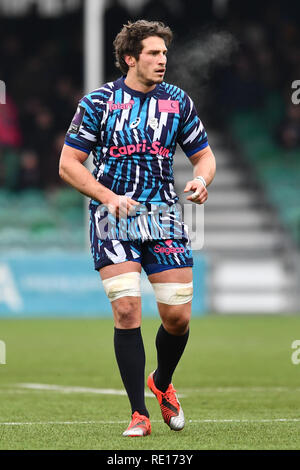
67	285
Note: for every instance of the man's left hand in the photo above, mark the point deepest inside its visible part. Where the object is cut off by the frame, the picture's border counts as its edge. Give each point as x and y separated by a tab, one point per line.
199	195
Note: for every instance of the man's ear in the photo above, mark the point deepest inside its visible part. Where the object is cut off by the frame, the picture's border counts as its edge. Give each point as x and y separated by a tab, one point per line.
130	60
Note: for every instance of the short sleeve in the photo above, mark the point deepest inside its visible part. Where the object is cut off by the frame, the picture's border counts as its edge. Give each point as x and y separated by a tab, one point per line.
84	128
192	136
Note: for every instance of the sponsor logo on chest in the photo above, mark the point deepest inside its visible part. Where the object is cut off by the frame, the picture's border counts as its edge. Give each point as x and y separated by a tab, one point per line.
113	106
155	149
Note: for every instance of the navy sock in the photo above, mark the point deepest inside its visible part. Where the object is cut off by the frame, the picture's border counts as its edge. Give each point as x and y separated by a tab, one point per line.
169	351
130	355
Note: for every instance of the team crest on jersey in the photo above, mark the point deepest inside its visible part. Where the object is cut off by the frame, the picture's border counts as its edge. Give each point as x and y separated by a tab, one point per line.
168	106
153	123
77	120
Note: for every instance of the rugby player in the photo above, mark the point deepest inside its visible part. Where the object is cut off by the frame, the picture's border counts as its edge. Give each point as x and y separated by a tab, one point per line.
132	127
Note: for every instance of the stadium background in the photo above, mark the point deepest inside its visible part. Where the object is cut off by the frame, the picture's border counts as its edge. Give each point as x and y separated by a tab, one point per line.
239	386
238	62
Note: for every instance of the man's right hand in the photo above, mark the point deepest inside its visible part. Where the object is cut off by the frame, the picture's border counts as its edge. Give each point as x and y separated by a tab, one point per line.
120	206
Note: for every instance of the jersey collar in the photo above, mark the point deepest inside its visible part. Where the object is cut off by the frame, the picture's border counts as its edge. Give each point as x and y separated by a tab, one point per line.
133	92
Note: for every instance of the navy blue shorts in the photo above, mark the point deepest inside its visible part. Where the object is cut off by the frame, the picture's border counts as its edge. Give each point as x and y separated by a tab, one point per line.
153	255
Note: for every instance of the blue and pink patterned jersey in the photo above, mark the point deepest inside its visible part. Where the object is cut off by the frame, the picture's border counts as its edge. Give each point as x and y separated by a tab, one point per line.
133	137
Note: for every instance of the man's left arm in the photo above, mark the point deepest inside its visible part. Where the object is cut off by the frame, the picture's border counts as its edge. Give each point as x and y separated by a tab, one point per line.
204	170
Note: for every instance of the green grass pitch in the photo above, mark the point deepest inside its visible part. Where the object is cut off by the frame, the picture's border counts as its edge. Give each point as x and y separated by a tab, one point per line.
239	388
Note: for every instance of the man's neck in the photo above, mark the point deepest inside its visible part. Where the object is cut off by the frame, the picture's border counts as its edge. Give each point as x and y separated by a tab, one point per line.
136	85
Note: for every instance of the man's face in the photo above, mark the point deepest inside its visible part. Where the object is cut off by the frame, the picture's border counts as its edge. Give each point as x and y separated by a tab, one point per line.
150	67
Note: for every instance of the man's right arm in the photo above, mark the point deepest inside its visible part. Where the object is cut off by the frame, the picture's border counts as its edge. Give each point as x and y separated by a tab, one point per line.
73	172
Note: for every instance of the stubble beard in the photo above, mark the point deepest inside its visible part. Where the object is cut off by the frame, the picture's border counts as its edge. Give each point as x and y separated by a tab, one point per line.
148	81
154	82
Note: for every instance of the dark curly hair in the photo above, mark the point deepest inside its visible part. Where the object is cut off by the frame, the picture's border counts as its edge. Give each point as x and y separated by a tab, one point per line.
129	40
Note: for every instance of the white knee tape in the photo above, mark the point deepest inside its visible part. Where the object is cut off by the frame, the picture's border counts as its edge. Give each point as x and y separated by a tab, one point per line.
173	293
127	284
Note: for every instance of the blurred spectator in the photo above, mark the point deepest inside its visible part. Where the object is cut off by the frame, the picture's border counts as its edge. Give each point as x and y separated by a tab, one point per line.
10	133
50	165
288	132
66	98
29	172
10	142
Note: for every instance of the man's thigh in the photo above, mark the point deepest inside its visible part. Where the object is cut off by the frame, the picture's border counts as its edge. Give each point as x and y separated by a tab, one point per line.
178	275
119	266
169	268
168	264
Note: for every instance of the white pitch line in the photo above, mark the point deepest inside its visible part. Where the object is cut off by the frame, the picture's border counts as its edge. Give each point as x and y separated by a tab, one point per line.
187	391
74	389
43	423
191	421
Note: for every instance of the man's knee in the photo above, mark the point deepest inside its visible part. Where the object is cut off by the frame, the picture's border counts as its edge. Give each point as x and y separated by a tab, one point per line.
127	312
176	321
